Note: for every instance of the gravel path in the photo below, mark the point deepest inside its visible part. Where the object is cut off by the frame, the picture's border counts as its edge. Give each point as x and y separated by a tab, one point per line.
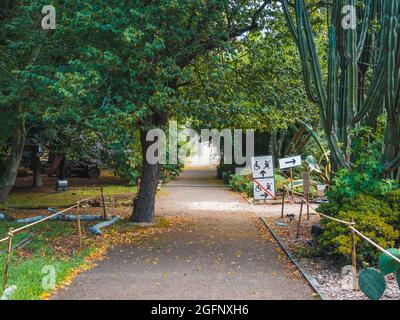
220	253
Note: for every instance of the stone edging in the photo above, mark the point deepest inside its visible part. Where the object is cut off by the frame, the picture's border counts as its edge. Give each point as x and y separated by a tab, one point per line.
309	278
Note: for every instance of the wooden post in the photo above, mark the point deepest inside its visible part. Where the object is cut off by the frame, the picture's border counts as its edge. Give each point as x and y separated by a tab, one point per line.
354	259
300	215
8	261
78	219
104	204
291	183
306	189
283	203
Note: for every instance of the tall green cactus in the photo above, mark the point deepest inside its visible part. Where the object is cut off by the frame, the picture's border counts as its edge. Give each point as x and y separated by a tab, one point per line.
363	72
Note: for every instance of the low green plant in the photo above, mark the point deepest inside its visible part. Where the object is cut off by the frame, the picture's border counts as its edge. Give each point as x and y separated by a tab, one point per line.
240	183
373	217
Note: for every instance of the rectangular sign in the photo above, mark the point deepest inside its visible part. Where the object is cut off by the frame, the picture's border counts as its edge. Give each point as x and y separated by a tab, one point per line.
264	189
306	182
262	167
290	162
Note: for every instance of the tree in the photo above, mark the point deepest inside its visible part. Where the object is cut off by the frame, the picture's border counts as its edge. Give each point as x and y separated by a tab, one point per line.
19	50
128	60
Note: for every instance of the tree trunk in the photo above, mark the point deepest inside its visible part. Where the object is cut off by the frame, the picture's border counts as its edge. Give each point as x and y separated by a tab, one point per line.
37	168
17	144
144	203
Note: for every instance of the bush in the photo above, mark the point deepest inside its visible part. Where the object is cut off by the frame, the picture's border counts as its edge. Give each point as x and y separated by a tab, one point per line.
373	217
392	198
170	172
241	183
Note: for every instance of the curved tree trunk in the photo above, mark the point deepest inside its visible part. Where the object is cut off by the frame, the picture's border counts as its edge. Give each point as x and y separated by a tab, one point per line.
144	203
17	144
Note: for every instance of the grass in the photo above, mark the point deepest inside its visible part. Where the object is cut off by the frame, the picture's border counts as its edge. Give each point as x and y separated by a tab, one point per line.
55	247
38	200
28	265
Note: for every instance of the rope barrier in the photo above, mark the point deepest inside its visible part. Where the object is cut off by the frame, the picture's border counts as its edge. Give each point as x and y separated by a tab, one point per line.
350	225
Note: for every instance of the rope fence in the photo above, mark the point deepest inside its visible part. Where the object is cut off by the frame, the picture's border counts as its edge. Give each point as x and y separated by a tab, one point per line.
12	232
350	224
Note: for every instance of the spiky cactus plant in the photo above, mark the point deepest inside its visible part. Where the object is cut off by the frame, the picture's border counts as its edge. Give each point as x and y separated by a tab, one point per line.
363	72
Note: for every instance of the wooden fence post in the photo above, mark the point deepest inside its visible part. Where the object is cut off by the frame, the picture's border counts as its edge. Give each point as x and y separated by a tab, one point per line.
354	258
104	204
8	261
291	184
300	215
78	219
283	202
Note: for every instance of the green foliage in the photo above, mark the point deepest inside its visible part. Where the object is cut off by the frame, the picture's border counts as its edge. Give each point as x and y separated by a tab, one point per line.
240	183
364	178
280	181
171	171
393	199
372	283
373	217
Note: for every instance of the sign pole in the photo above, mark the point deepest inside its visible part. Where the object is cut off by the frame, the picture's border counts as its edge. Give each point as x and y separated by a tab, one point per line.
283	202
291	183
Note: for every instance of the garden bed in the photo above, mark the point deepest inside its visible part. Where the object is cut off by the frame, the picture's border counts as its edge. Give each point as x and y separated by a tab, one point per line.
334	281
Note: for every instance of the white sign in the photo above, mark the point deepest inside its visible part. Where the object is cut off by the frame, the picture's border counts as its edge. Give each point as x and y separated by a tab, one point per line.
264	189
262	167
290	162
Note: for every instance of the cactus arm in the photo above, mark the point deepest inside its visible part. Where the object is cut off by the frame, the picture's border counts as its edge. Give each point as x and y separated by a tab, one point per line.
315	65
315	137
351	72
334	143
300	42
289	21
332	106
364	27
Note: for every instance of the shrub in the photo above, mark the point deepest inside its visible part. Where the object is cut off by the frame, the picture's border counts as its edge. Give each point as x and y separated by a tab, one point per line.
241	183
392	198
170	171
373	217
280	181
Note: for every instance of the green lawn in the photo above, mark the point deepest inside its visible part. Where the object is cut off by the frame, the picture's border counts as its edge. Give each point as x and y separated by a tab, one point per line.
28	265
38	200
55	245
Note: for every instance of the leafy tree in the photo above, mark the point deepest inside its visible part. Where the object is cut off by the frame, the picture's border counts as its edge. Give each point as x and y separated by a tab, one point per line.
127	60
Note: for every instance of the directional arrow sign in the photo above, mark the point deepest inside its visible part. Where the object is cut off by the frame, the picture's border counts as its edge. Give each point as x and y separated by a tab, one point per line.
262	167
290	162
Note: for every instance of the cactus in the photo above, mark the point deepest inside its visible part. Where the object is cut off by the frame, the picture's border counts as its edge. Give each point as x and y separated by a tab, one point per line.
387	264
363	74
372	283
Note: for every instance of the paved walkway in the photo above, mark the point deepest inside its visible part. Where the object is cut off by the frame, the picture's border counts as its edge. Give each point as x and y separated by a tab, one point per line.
221	253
